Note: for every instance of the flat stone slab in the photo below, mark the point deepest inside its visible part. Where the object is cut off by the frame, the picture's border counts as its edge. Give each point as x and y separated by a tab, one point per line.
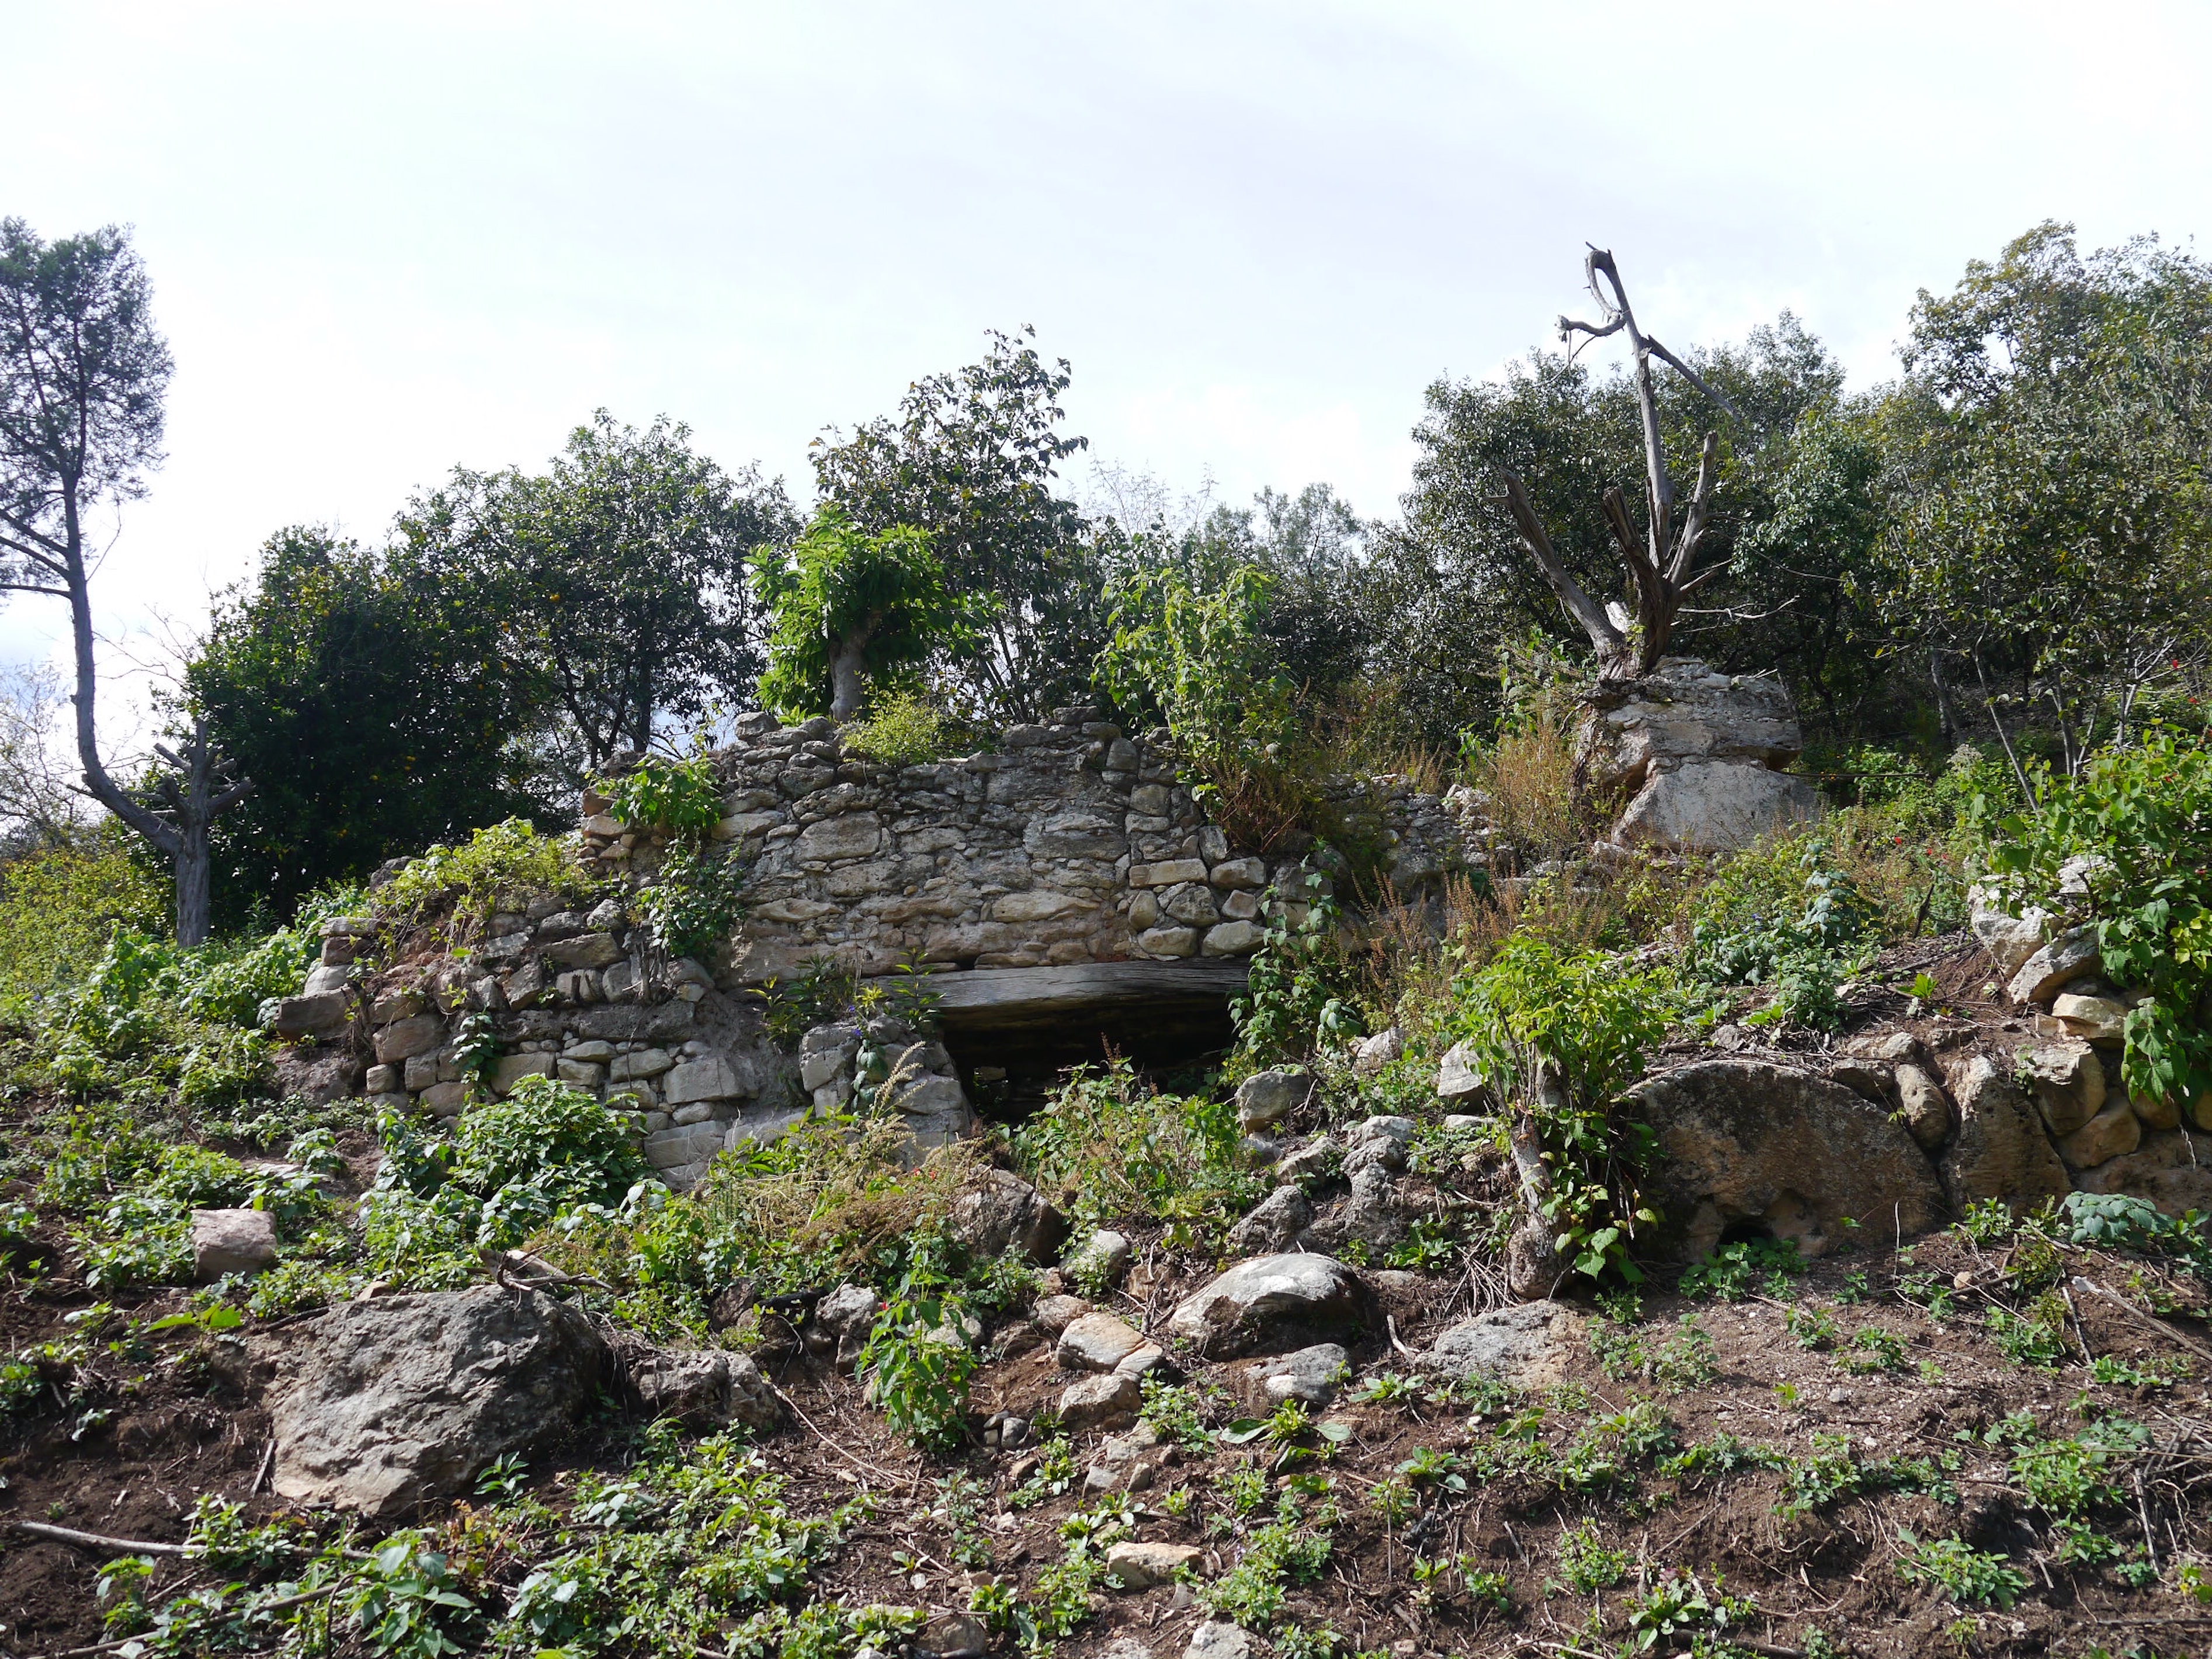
1020	999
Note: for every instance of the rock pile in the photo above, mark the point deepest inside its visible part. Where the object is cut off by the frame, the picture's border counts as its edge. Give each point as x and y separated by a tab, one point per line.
1699	754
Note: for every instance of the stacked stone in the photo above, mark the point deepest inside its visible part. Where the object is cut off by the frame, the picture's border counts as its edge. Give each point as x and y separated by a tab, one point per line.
2074	1072
1075	844
884	1060
577	996
1699	754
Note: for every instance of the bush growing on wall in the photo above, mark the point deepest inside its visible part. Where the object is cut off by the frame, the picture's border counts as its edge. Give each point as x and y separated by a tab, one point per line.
2142	818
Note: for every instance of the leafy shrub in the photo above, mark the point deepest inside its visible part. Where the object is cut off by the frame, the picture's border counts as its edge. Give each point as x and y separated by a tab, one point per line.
1587	1562
694	900
916	1368
1732	1271
1107	1146
1563	1033
2142	816
1969	1577
510	1168
58	909
675	796
1299	983
902	728
496	864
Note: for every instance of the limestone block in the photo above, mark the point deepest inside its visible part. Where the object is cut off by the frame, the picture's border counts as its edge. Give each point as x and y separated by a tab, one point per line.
1924	1107
323	1014
1041	904
834	840
1460	1077
1266	1098
1167	941
1190	903
639	1066
581	1072
1110	1401
1715	806
1246	874
1140	1565
232	1242
2163	1113
512	1068
1239	906
383	1080
405	1038
2068	1082
2048	972
707	1078
2001	1150
2113	1133
1233	938
1097	1342
1150	799
1144	909
446	1099
1167	872
688	1143
584	950
2097	1020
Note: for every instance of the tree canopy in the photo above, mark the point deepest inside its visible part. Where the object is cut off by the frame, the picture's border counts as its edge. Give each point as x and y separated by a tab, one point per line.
380	701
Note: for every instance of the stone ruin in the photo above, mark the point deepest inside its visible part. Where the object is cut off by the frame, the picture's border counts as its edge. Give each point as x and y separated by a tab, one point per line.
1698	757
1066	885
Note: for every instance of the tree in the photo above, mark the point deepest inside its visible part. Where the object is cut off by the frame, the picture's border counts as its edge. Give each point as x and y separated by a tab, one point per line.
854	611
971	460
2049	531
378	698
1659	561
1450	586
83	376
621	572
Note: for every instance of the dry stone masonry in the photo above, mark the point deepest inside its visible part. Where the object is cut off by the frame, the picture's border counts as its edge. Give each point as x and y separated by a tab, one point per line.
1073	843
1698	757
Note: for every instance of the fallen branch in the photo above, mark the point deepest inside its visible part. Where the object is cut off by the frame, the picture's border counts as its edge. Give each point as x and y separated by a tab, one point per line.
2144	1318
96	1541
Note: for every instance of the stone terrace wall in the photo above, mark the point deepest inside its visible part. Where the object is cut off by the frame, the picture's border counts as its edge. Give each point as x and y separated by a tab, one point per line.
1073	844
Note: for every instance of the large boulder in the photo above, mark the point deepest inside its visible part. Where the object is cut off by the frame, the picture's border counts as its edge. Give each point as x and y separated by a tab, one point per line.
702	1389
1528	1345
1004	1212
2001	1150
1271	1304
380	1406
1744	1145
1711	806
1699	754
2172	1169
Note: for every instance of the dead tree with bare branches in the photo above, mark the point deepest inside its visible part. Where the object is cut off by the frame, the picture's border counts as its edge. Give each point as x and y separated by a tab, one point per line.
1661	562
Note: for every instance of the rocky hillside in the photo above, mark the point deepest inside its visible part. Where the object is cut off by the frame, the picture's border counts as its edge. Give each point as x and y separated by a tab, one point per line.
598	1247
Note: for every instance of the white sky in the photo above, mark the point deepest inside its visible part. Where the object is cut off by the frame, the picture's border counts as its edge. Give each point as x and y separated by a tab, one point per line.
387	239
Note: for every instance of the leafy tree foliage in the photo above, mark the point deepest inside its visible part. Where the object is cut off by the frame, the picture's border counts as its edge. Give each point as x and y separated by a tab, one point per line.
375	696
84	374
2045	474
971	459
853	610
621	572
1451	583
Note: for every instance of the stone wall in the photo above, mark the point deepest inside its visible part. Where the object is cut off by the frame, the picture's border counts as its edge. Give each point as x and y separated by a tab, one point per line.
1071	843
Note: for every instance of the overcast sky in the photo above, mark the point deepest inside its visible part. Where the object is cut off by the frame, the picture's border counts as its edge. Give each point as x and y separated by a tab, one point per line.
387	239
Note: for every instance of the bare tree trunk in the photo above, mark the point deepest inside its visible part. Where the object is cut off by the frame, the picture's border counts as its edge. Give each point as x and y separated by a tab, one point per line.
204	791
201	793
846	670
